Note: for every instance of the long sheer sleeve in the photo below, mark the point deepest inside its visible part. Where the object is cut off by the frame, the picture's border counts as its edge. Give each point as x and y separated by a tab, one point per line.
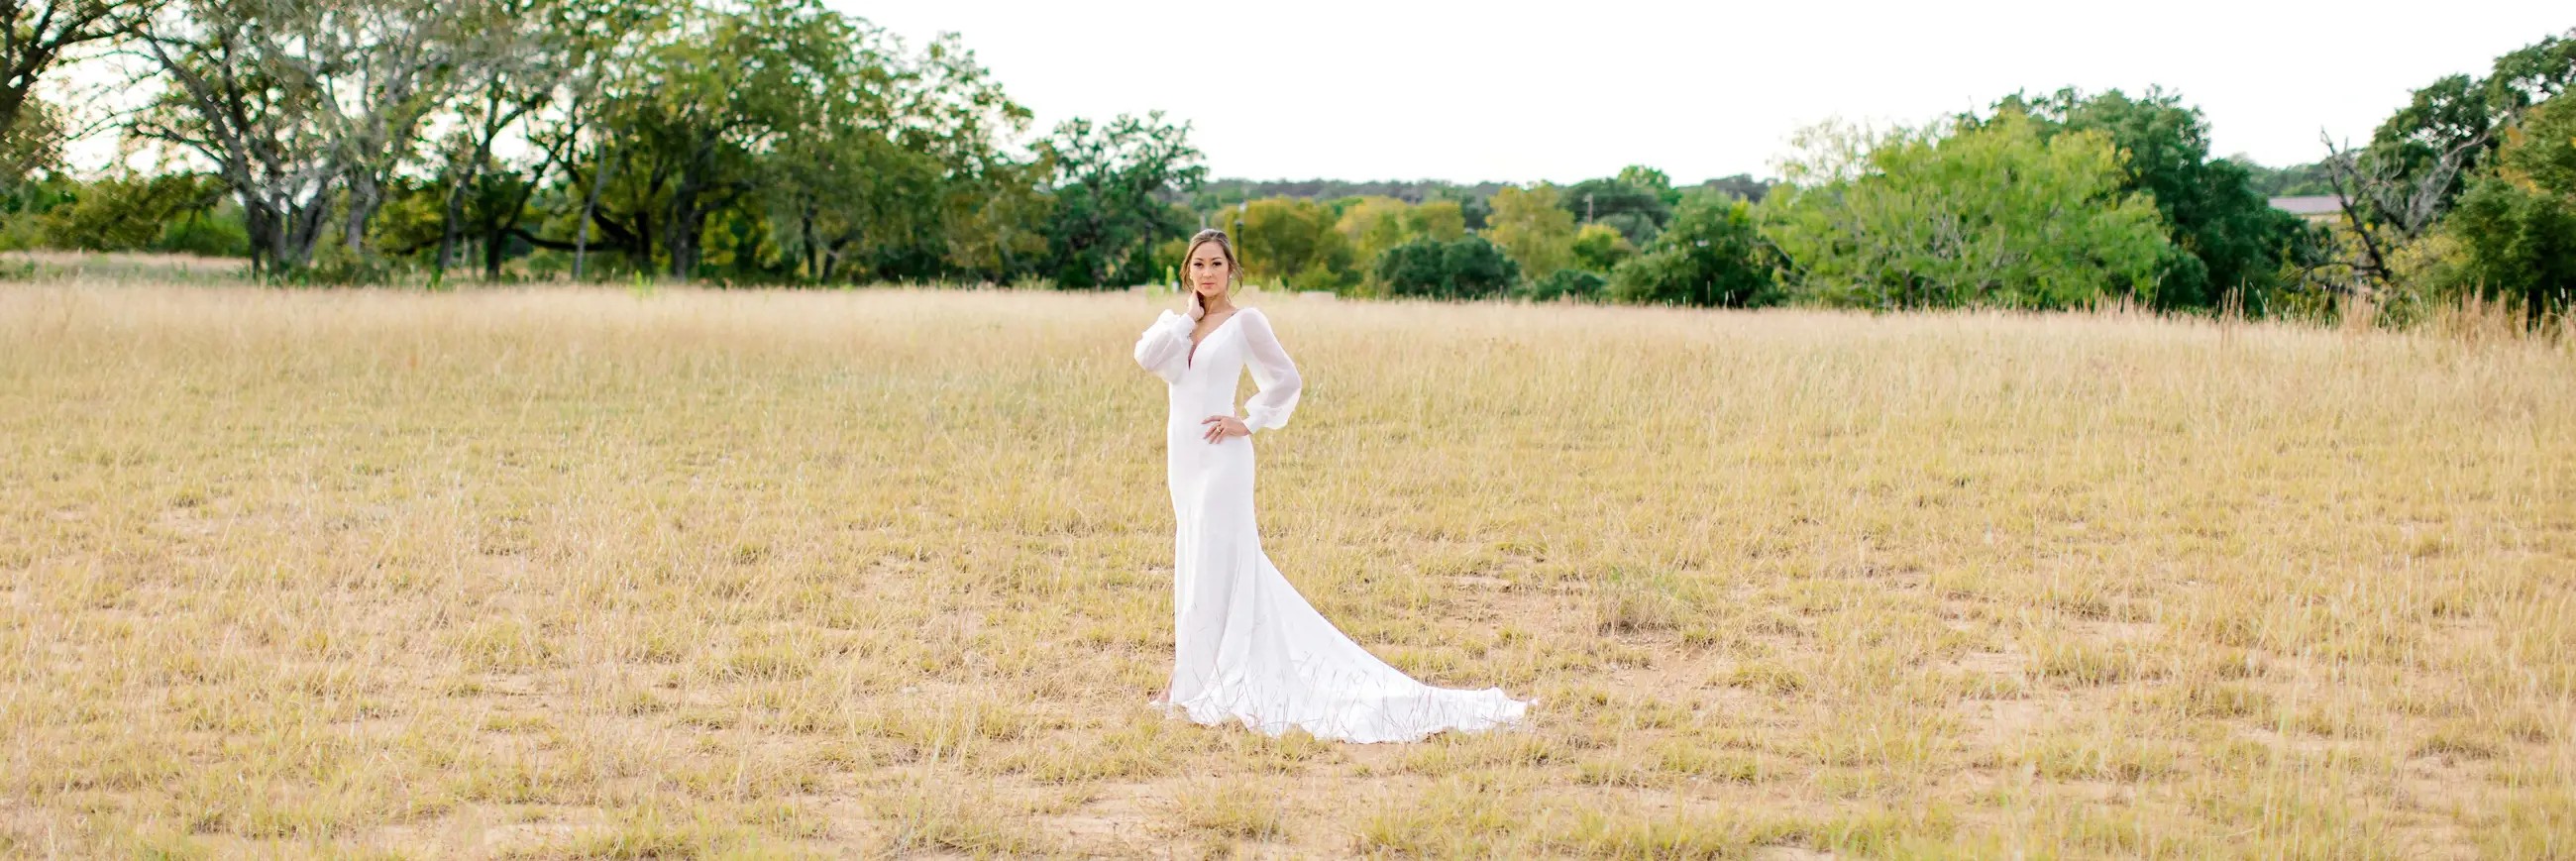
1272	371
1165	347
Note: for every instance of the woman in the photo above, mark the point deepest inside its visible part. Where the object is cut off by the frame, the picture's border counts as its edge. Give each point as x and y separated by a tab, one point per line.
1249	648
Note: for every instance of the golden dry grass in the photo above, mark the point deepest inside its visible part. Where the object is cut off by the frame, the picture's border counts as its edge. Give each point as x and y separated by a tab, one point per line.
584	573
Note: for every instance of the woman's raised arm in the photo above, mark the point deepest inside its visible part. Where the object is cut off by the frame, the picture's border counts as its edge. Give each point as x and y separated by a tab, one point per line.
1165	347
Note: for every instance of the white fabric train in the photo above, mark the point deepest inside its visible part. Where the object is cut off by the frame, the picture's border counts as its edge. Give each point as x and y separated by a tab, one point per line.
1248	646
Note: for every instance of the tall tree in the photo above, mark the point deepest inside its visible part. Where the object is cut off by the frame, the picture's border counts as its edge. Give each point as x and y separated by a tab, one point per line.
2225	235
1371	225
2452	127
1651	179
687	119
293	98
265	138
1444	220
1633	203
34	143
1293	241
1107	209
994	218
885	151
34	36
1599	248
527	54
1711	254
1533	227
1993	213
2518	221
1465	268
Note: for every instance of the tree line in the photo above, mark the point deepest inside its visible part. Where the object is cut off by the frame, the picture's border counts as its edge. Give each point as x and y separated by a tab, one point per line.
2038	202
780	141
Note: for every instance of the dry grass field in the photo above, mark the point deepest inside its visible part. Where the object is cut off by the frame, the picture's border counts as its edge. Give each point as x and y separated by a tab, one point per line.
599	573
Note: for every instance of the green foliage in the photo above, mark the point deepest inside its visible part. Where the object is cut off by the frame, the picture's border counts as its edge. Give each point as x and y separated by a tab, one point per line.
2518	223
1107	212
2225	234
1711	255
1466	268
2542	151
1532	226
32	144
935	193
1215	194
410	221
1371	225
1634	203
1567	284
1991	214
1599	248
1474	210
2298	180
2460	120
1444	220
217	234
721	105
2454	194
1657	181
130	213
1293	241
1739	185
993	220
781	141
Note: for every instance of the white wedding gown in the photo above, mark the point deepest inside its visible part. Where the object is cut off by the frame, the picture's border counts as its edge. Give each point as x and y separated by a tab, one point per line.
1248	647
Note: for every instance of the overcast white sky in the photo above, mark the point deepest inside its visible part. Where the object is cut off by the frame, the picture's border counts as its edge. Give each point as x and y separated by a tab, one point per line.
1470	91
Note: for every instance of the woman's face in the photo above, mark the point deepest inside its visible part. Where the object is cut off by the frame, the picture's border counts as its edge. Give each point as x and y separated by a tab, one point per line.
1208	270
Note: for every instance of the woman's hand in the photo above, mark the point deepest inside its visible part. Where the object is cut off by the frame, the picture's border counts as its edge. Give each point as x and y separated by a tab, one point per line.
1195	310
1221	427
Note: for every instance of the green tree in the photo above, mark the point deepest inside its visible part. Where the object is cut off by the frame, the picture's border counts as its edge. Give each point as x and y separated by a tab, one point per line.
1371	225
1660	183
540	68
131	213
1995	214
32	144
1444	220
2298	180
1532	226
305	107
2518	222
1599	248
994	218
870	180
1290	240
726	101
1711	255
1107	210
2225	235
1634	202
1466	268
2426	152
1472	209
41	31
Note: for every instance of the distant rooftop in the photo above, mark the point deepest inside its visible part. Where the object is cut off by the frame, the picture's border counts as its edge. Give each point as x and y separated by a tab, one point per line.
2316	204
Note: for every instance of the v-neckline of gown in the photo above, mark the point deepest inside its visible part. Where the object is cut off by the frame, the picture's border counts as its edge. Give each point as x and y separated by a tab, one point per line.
1193	359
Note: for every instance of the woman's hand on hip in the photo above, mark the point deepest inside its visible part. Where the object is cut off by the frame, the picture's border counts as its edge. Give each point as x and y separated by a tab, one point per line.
1220	427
